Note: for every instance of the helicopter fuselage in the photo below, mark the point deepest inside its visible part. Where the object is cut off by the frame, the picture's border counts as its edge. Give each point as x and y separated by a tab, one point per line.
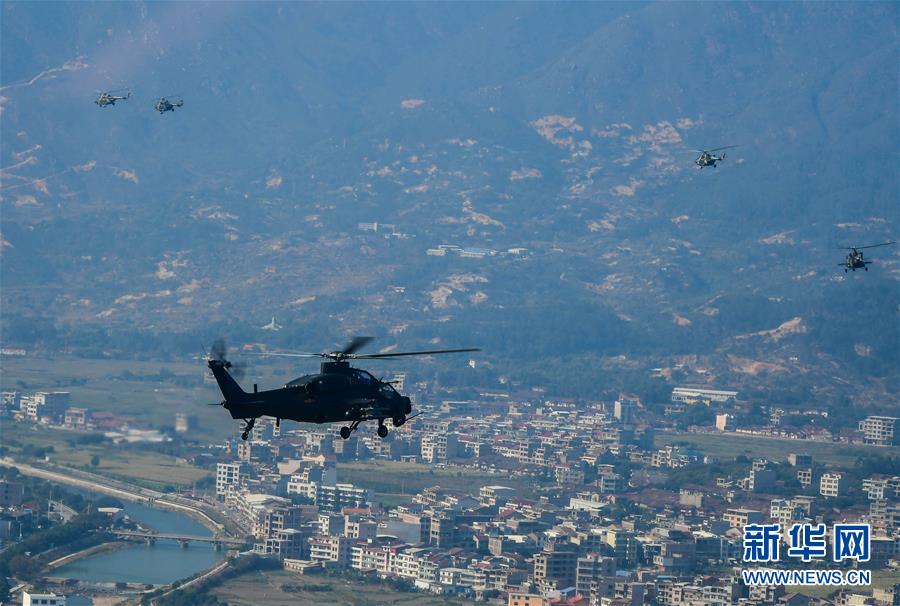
708	160
339	393
854	261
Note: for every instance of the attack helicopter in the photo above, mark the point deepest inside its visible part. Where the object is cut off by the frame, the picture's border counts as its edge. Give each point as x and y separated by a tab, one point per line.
855	258
163	105
707	157
338	394
109	97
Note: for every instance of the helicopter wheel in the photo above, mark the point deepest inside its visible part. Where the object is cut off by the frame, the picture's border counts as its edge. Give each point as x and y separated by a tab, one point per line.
867	269
345	432
245	435
382	431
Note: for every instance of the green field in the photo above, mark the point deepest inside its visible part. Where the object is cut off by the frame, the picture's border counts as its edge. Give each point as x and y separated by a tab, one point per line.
880	579
392	480
728	446
265	589
125	463
150	391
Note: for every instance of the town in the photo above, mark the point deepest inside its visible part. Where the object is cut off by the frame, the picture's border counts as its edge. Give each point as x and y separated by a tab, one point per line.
526	501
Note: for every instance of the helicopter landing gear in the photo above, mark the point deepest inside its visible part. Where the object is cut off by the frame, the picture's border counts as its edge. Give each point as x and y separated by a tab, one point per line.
248	427
398	421
382	429
347	430
867	269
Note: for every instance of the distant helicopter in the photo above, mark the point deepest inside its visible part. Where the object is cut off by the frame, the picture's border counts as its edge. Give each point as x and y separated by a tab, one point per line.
109	98
708	158
338	394
164	105
855	259
273	325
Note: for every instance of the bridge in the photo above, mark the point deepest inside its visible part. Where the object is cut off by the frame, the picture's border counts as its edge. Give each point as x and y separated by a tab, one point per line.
184	539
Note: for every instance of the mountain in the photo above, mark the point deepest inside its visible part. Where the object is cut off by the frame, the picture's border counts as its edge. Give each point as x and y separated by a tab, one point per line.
552	142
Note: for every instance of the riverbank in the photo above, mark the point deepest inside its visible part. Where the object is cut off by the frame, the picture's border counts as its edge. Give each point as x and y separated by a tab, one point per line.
101	548
117	488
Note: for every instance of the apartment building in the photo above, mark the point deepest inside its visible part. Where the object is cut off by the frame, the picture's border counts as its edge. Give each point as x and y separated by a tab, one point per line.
832	485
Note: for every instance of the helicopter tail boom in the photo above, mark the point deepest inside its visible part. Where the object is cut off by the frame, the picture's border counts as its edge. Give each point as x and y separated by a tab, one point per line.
229	387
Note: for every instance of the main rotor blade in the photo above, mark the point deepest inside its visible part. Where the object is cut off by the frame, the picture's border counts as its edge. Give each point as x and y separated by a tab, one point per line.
721	148
413	353
299	354
874	245
355	344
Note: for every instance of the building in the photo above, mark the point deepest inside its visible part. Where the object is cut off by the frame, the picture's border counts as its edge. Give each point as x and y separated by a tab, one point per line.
762	480
879	430
49	405
336	497
694	395
75	418
611	483
439	447
555	568
526	599
229	475
10	400
690	498
591	568
331	524
800	460
11	493
832	485
787	513
738	518
568	473
42	599
724	422
882	487
624	411
494	496
805	476
185	422
264	514
291	543
333	550
624	546
361	530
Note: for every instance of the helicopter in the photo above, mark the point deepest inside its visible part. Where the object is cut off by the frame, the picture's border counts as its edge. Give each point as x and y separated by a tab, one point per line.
109	97
338	394
855	259
164	105
708	158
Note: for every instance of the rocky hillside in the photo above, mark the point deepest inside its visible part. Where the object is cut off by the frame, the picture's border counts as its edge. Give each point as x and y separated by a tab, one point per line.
513	176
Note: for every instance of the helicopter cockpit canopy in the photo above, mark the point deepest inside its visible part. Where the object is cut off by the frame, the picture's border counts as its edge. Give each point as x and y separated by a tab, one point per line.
300	381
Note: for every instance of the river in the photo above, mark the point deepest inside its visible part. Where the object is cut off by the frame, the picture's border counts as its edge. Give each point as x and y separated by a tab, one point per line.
163	562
